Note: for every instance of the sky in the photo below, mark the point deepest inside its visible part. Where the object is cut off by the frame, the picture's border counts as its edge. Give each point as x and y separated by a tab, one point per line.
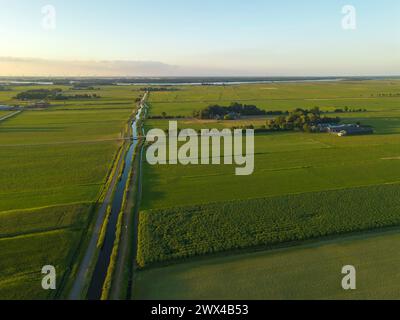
199	38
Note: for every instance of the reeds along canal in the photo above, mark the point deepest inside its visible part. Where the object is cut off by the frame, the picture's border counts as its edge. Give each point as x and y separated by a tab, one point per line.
100	271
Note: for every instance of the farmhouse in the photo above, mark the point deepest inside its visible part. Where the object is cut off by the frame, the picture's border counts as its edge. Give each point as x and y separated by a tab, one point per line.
349	129
40	104
335	129
355	131
345	129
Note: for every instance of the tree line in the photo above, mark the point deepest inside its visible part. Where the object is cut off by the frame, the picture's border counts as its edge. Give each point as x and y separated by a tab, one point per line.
53	94
301	119
216	111
153	89
3	88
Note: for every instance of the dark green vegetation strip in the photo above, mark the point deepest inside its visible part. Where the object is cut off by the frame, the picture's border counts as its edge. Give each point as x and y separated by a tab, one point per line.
168	234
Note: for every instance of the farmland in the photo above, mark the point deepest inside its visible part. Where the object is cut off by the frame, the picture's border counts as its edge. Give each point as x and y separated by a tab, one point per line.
280	96
184	232
311	195
57	161
310	271
305	186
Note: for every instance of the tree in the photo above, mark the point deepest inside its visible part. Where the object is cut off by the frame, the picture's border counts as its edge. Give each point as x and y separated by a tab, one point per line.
306	128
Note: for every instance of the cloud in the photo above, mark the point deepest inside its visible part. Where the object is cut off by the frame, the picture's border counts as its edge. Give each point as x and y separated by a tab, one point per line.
12	66
247	66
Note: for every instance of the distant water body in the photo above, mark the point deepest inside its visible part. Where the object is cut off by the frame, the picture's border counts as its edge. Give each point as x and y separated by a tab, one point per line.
189	83
184	81
220	83
28	82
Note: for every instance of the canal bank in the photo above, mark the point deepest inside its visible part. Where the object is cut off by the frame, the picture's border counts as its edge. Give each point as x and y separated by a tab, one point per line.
101	270
93	268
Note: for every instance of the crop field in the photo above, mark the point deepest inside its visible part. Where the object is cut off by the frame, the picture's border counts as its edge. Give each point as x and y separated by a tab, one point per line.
168	234
311	271
304	186
56	163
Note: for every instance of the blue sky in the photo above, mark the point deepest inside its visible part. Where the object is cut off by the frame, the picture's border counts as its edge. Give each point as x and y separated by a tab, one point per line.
218	37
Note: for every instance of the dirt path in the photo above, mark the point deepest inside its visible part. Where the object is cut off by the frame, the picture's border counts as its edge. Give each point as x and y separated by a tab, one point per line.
10	115
81	277
81	280
121	283
122	280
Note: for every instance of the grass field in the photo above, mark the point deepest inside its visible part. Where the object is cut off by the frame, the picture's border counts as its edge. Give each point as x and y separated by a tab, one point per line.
56	162
311	271
280	96
285	163
304	185
4	113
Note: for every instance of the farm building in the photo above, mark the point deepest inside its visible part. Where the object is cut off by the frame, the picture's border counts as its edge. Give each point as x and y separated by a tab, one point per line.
345	129
350	129
358	130
335	129
40	104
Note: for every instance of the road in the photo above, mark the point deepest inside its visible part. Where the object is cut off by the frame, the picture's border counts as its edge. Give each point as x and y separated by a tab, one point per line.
81	278
128	245
10	115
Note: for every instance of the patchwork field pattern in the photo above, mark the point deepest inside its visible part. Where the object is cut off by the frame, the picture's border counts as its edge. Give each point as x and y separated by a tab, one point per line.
56	164
305	186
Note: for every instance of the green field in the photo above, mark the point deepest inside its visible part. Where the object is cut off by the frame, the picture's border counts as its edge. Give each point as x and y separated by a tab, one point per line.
202	223
304	185
280	96
285	163
4	113
310	271
57	161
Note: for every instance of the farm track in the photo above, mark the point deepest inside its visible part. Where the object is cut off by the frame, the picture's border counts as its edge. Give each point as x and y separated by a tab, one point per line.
128	248
129	235
81	278
90	260
7	116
